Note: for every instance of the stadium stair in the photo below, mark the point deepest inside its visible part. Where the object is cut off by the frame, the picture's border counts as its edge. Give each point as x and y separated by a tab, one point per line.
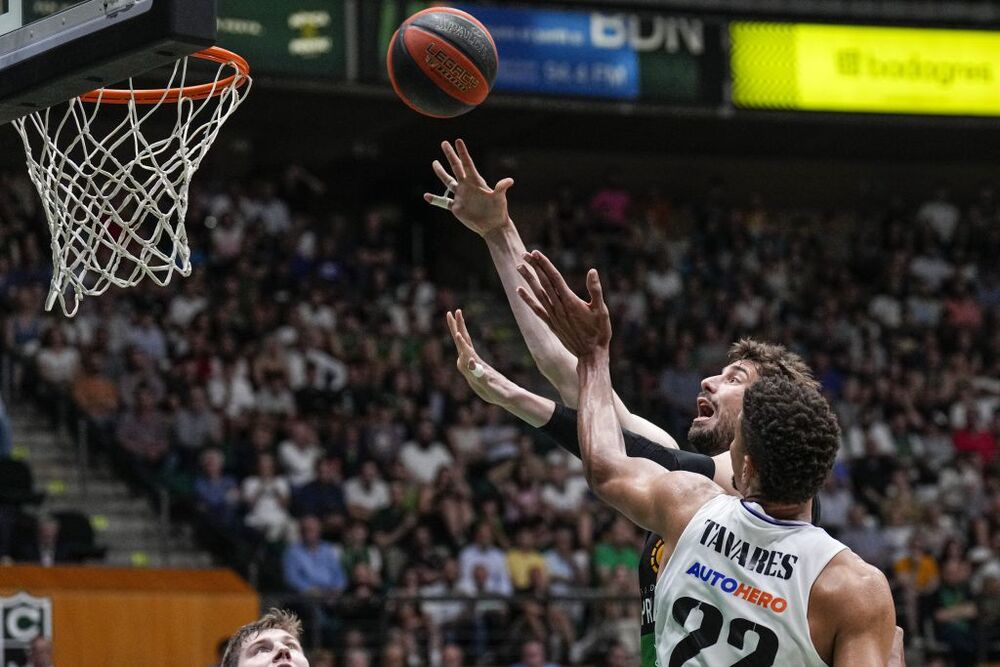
123	523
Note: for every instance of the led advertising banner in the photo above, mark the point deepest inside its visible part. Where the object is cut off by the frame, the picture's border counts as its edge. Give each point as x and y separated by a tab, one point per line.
557	53
604	55
871	69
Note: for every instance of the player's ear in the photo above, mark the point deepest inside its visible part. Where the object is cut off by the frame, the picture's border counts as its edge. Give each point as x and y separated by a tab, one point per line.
748	472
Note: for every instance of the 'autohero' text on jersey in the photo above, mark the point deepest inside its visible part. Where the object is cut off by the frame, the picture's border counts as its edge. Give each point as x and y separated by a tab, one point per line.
738	589
746	555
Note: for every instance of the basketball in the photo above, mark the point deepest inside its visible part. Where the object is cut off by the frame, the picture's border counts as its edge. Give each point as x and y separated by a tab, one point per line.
442	62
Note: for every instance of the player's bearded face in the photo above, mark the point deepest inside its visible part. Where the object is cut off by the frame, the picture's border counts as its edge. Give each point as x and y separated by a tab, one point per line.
715	435
719	405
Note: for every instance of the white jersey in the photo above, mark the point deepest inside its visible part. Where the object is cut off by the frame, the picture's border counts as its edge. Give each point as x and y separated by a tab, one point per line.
736	589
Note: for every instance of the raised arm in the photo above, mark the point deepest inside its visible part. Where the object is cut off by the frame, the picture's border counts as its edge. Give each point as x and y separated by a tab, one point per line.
491	385
484	210
560	422
658	500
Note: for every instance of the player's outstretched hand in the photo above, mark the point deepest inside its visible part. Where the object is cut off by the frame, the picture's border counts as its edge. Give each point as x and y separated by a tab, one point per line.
583	327
488	383
476	205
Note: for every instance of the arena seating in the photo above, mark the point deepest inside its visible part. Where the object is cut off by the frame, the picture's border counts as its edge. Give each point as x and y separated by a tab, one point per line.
306	348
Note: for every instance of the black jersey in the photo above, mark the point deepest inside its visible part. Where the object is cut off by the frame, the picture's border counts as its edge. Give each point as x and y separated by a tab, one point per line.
649	566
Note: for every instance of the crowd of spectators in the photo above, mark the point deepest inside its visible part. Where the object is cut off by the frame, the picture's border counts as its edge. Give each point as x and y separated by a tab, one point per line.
297	396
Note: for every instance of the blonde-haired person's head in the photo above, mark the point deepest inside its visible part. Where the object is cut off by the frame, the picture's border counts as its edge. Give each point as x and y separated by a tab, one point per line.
256	644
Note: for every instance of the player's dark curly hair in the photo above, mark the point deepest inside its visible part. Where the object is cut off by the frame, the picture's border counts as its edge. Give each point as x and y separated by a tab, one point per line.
773	360
792	435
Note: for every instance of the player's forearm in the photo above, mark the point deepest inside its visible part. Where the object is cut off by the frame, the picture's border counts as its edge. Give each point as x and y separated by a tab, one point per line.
602	445
553	360
645	428
562	427
530	408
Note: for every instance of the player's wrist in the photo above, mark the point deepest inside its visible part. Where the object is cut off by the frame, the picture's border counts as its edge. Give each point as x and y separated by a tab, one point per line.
593	358
498	230
504	394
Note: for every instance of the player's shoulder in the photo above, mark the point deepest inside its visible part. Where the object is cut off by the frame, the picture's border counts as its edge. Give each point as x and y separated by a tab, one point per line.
682	498
693	490
852	590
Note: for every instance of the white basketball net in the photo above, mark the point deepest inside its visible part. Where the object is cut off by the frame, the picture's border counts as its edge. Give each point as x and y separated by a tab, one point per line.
116	199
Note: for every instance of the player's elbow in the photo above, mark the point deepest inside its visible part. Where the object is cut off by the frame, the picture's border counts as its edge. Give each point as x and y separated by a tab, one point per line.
869	625
556	364
603	477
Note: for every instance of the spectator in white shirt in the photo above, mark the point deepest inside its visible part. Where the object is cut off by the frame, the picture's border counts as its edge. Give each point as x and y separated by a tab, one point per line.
563	494
188	303
58	363
664	281
299	454
267	496
932	268
483	553
274	397
273	211
871	427
331	373
230	391
227	239
424	456
445	616
366	493
940	214
316	312
887	309
421	294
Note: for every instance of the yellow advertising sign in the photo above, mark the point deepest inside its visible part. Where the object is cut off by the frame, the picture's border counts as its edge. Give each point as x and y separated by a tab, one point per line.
865	68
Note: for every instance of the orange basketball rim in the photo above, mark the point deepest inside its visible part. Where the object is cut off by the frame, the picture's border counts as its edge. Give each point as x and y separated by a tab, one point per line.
201	91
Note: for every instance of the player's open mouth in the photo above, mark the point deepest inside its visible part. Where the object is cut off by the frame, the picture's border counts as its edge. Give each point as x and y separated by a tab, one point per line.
705	410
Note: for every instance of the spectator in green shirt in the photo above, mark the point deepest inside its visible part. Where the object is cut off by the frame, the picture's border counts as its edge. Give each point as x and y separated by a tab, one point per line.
617	548
955	613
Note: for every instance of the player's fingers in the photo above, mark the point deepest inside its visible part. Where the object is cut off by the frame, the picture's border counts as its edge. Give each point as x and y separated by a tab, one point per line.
551	291
443	174
544	267
463	330
466	158
453	160
595	290
504	185
536	289
462	339
453	330
468	363
534	305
